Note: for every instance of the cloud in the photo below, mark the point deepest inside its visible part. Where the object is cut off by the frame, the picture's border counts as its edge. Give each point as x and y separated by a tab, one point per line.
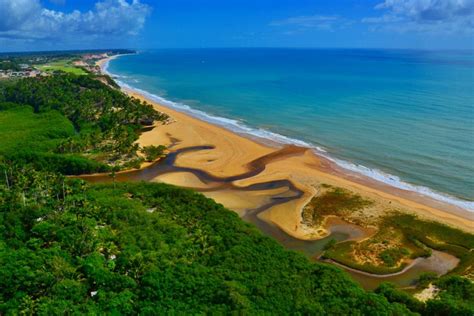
29	20
320	22
436	16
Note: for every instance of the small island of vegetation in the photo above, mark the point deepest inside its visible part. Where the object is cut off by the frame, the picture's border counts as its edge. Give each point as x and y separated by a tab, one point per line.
396	238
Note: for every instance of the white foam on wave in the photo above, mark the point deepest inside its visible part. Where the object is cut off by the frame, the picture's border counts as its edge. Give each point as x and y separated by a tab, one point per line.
231	124
396	182
239	127
105	65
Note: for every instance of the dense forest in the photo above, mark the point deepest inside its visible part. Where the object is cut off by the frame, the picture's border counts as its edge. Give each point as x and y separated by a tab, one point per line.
106	123
68	247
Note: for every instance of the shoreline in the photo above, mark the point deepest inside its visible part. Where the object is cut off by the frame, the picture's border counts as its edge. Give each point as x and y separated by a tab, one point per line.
233	151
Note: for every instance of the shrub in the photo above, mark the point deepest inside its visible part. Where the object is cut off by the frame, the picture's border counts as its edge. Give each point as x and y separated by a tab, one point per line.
153	152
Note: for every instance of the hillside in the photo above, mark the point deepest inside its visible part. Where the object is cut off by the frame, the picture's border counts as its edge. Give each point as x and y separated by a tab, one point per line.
151	248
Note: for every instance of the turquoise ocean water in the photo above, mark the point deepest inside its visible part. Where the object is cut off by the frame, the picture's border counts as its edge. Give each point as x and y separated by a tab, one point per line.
403	117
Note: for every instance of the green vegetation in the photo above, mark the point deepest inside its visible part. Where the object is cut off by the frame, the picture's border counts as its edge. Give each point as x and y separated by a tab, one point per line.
21	128
103	124
331	243
439	237
392	256
456	297
344	252
9	65
401	237
68	247
333	201
396	296
153	152
425	279
62	65
32	138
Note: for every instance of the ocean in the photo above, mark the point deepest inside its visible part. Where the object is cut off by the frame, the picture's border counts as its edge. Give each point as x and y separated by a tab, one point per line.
404	117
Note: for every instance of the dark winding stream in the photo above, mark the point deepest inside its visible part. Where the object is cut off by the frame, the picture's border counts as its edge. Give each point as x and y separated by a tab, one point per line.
438	262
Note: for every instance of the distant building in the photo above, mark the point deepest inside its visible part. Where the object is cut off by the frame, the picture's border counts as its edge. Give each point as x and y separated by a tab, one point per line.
95	56
5	74
79	63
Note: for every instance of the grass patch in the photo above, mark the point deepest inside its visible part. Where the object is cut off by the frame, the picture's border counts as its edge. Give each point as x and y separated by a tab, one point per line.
401	237
341	253
439	237
21	129
62	65
333	201
31	138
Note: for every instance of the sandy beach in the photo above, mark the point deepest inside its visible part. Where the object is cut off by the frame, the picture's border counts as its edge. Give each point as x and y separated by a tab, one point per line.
232	154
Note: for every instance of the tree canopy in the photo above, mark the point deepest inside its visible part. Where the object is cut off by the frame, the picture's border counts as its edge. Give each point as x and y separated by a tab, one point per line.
106	123
69	247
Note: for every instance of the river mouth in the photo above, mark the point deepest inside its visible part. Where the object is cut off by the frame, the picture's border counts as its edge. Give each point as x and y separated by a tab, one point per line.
257	198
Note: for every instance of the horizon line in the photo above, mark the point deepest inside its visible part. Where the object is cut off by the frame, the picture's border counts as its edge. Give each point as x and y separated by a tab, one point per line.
237	47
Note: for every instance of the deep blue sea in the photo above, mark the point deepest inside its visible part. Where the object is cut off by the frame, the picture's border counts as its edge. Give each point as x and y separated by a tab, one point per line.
404	117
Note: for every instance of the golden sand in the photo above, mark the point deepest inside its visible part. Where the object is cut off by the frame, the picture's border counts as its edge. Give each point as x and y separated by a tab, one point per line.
233	153
182	179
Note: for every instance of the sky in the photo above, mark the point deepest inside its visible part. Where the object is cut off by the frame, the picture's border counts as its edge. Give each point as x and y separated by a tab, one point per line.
32	25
